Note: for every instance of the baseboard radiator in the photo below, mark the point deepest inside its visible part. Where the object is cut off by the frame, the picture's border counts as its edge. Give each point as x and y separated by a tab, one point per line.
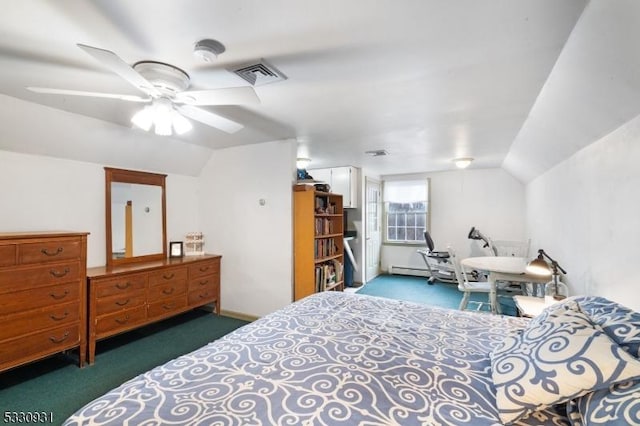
408	270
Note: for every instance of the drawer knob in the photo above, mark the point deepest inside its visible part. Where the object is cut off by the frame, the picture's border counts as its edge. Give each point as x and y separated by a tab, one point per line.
168	290
60	340
123	320
123	286
59	318
204	268
168	306
168	276
46	252
59	274
203	295
59	297
122	302
204	282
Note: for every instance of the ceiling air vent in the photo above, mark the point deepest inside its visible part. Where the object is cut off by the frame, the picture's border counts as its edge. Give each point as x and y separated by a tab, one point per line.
377	153
260	73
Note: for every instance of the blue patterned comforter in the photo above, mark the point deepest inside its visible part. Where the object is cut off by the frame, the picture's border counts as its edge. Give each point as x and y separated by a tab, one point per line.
330	359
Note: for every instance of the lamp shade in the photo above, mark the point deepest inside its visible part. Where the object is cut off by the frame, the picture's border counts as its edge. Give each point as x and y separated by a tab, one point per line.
538	266
162	117
143	118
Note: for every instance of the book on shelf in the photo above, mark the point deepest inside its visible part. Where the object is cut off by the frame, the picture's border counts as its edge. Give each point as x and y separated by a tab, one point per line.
328	274
323	226
325	247
324	206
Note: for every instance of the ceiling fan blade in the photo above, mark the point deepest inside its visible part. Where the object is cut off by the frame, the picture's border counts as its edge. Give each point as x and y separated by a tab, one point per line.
120	67
209	118
226	96
131	98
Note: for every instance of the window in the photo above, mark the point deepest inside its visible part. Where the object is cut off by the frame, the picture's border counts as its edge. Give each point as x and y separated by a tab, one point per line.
406	209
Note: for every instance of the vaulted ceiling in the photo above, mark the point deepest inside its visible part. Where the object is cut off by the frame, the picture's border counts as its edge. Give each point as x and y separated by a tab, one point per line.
521	84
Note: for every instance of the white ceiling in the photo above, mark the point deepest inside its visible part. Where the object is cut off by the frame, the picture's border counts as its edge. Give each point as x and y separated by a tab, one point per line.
524	82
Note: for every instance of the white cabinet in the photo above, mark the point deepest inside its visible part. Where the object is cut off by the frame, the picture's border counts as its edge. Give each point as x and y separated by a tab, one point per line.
343	181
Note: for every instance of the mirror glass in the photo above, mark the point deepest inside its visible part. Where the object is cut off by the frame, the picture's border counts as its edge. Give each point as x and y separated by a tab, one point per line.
136	219
135	212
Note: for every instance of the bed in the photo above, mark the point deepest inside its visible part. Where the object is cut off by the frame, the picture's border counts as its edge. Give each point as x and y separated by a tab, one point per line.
336	358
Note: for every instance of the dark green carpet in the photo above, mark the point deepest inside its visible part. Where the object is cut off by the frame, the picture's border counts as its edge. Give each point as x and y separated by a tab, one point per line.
416	289
57	385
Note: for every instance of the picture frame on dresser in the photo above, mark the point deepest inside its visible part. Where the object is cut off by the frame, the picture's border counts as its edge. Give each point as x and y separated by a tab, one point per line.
176	249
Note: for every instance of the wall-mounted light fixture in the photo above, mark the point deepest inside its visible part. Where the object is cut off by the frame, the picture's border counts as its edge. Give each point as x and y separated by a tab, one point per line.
463	162
302	162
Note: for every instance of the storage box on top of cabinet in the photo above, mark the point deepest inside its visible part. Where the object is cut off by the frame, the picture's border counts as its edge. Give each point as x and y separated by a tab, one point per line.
42	295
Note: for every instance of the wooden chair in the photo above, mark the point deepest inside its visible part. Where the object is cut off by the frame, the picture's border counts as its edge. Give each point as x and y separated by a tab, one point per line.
468	287
514	249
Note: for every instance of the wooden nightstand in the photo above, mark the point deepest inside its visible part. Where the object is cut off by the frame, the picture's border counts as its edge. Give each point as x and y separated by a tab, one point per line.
530	306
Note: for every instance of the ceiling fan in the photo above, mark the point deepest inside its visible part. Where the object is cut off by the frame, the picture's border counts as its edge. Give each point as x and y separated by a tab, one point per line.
168	99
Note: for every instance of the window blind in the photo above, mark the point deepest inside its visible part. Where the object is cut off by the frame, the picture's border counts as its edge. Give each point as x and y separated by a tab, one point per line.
405	191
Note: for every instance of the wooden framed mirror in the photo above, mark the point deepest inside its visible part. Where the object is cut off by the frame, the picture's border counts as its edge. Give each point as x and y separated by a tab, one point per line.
135	212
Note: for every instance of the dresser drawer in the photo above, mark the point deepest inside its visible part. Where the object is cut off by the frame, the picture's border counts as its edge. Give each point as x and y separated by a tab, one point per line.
202	297
204	268
49	251
120	321
167	290
207	282
167	275
21	301
23	279
123	285
43	343
167	307
50	317
8	255
107	305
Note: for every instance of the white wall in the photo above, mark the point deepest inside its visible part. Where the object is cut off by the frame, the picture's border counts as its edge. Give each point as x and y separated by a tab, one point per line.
255	240
489	199
584	212
43	193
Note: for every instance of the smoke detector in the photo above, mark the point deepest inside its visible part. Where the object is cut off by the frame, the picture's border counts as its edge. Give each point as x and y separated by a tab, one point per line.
208	49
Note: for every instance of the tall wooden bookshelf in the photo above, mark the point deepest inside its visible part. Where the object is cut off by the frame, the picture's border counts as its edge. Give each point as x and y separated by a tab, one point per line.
318	242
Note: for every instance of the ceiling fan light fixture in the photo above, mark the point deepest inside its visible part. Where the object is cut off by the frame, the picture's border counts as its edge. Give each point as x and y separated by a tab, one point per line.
180	124
143	118
162	128
162	116
208	49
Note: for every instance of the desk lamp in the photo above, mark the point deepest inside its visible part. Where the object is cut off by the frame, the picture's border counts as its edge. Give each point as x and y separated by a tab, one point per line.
539	266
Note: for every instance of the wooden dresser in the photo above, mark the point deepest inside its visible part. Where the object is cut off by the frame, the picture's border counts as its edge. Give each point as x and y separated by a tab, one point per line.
125	297
42	295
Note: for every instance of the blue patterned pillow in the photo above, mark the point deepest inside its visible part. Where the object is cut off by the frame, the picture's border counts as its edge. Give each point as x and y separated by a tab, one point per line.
554	360
619	322
619	404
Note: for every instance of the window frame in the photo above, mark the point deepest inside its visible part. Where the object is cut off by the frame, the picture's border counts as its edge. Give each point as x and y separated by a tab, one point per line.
419	241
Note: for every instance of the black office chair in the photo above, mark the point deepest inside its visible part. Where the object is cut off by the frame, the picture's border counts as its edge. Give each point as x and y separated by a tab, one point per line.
442	270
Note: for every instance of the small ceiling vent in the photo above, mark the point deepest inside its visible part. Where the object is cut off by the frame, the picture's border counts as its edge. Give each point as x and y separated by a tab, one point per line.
377	153
260	74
